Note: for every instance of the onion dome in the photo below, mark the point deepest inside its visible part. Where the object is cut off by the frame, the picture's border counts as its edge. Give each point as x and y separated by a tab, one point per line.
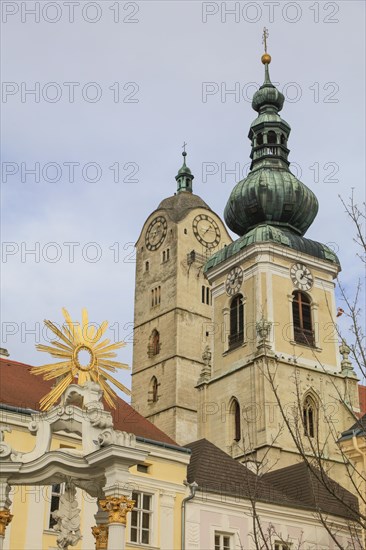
267	97
270	193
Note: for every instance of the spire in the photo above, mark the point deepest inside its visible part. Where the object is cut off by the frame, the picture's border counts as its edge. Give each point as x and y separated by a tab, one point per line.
267	98
270	194
184	177
266	58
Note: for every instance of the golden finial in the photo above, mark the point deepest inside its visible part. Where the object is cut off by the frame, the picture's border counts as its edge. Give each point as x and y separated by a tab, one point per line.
266	58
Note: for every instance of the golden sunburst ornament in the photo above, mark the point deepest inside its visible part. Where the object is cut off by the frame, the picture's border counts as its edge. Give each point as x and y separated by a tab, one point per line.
75	341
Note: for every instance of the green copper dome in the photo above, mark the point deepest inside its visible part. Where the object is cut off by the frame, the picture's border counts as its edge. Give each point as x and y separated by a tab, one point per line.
184	177
267	96
273	196
270	193
277	235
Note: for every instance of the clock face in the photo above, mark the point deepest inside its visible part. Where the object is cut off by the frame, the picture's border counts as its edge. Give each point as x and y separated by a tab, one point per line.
155	233
301	276
206	231
234	281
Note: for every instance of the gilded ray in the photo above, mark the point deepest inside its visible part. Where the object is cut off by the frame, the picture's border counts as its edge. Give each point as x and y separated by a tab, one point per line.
83	358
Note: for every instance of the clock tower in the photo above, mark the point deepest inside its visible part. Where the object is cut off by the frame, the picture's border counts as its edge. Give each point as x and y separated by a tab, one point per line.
276	364
173	308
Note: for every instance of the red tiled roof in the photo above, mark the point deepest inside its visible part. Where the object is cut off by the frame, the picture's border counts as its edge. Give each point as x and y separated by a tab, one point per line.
362	397
20	388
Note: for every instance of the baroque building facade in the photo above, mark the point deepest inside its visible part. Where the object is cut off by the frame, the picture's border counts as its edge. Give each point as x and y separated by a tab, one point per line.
270	362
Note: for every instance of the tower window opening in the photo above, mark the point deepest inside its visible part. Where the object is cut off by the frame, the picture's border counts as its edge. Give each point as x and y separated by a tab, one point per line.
165	255
185	231
236	336
236	427
309	419
153	390
259	139
155	296
154	344
301	315
206	295
271	137
283	139
147	266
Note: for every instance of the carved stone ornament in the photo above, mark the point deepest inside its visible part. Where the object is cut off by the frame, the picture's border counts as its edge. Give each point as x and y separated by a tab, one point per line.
206	369
5	519
100	533
117	508
263	328
5	449
68	518
346	364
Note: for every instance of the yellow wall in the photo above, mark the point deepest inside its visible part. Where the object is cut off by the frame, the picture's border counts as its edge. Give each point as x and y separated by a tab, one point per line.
167	470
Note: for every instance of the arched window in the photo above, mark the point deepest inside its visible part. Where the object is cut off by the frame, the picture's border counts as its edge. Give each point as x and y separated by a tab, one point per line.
236	428
154	343
153	390
283	139
259	139
236	336
271	137
147	266
309	416
301	315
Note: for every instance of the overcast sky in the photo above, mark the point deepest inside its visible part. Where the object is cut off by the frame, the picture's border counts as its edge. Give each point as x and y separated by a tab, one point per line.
122	85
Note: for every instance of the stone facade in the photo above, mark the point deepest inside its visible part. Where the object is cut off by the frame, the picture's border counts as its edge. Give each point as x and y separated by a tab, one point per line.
180	315
298	370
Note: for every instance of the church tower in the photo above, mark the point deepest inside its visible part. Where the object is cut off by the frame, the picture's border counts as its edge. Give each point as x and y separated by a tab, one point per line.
274	304
173	308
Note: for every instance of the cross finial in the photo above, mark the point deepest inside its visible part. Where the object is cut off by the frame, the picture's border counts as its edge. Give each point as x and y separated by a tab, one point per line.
265	36
184	149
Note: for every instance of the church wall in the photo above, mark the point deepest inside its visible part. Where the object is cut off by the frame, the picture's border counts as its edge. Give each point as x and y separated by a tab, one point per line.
262	423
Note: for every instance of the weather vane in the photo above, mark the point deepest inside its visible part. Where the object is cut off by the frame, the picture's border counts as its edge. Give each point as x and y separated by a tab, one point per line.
265	36
266	58
83	358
